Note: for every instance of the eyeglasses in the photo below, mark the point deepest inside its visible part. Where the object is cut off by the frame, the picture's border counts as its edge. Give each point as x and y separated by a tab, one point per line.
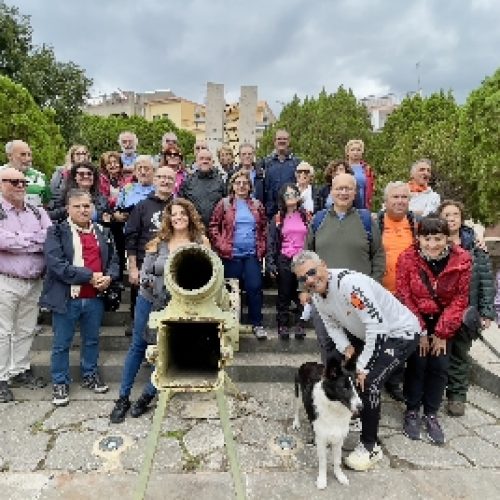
305	172
80	153
16	182
240	183
346	189
308	274
289	196
167	178
199	147
84	174
81	206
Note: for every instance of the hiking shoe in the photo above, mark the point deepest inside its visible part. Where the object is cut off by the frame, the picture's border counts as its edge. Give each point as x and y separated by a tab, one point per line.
60	394
455	408
94	383
411	425
27	380
361	459
141	406
434	431
259	332
283	332
122	404
6	395
300	332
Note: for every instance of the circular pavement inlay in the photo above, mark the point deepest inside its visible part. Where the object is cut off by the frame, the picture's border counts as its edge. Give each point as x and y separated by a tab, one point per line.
286	443
110	443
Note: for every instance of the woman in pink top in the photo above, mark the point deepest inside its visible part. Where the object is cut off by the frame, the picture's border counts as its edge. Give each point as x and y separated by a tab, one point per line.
286	236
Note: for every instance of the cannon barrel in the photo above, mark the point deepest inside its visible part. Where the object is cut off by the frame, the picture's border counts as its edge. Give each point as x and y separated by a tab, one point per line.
198	331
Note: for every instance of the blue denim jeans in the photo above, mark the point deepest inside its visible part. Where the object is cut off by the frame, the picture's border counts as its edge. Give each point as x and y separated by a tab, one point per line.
137	349
89	313
248	270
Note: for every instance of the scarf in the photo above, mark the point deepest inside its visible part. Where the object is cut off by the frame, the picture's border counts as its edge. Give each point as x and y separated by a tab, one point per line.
416	188
77	250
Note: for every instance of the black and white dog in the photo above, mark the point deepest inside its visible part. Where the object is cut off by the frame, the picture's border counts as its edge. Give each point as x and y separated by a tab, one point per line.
330	399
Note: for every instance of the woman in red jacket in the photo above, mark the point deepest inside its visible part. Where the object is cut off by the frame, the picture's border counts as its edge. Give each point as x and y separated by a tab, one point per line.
432	280
237	231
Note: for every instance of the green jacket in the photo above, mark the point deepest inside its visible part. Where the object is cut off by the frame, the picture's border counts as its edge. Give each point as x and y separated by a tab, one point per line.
345	244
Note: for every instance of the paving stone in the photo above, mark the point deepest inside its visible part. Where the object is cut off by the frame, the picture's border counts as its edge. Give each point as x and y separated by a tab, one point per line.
274	401
484	400
75	413
253	458
255	430
490	433
136	428
22	450
391	415
168	456
97	424
452	427
474	418
23	486
422	454
215	461
72	451
479	452
174	423
21	415
203	438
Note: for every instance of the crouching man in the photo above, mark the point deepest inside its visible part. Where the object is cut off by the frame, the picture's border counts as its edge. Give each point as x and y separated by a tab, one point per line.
361	317
81	263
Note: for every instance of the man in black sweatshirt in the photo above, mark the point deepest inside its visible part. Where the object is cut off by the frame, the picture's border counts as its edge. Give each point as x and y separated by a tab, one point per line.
144	221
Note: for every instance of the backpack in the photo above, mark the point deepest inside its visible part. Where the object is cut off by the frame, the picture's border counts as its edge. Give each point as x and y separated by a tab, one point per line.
34	209
413	220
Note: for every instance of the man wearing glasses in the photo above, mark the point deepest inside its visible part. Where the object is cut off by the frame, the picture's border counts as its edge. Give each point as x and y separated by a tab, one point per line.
19	155
23	230
128	143
361	318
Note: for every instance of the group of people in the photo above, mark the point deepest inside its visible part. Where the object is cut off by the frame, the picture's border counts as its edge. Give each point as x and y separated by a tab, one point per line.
391	288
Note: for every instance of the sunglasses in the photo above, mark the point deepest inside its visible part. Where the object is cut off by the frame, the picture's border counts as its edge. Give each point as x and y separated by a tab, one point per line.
305	172
85	174
16	182
289	196
308	274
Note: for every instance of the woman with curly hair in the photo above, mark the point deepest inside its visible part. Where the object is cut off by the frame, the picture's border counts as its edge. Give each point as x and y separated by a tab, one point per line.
181	225
81	176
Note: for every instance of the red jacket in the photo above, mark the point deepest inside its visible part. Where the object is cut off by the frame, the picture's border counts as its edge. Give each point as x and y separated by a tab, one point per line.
221	228
451	287
105	187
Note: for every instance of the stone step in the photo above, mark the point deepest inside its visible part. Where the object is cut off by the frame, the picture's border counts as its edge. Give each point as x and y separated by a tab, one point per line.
113	339
121	317
246	367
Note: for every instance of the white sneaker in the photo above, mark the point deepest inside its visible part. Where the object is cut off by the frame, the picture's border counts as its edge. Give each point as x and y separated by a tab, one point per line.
361	459
259	332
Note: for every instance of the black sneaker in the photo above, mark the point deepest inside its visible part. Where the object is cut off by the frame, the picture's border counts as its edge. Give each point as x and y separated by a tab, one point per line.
6	395
60	394
300	332
141	406
283	332
94	383
27	380
122	405
434	431
411	426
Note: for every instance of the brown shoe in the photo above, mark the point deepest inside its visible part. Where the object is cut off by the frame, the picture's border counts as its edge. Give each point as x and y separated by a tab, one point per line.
455	408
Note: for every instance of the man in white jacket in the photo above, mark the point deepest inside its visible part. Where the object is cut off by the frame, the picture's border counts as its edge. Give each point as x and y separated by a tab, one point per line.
361	317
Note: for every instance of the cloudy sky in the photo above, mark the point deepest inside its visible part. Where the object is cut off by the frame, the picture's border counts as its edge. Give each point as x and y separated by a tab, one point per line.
283	46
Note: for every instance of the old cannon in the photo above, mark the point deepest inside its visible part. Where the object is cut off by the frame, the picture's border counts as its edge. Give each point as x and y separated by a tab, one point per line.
198	331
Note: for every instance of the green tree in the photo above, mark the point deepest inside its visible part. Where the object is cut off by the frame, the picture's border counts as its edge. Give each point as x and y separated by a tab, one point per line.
101	134
421	128
22	118
320	127
479	144
61	86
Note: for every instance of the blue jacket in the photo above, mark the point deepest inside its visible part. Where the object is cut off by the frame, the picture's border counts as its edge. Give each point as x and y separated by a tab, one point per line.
277	173
61	273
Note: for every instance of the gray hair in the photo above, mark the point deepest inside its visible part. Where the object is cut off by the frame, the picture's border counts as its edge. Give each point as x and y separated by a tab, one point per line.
120	137
413	168
77	193
246	145
166	134
8	148
393	185
147	158
303	257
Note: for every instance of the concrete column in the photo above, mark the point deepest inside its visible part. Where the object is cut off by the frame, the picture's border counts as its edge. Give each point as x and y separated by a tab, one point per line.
248	109
214	124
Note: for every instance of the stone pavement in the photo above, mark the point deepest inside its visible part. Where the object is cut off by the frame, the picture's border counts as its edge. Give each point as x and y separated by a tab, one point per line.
67	453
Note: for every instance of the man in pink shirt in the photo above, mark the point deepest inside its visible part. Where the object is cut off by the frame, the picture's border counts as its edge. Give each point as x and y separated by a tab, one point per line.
23	229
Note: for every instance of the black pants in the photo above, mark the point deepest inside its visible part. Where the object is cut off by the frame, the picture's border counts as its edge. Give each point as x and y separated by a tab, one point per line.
425	381
287	290
393	354
119	237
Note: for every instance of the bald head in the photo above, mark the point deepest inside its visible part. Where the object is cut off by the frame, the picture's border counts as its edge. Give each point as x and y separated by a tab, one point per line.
13	186
19	155
343	192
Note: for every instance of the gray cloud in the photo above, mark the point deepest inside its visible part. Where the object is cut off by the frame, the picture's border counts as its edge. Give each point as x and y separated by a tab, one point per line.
283	46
